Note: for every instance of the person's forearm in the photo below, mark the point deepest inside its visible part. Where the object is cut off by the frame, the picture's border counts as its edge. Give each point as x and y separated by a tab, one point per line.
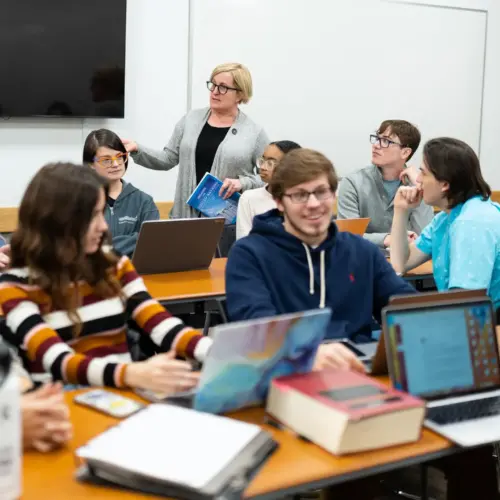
155	159
376	238
399	240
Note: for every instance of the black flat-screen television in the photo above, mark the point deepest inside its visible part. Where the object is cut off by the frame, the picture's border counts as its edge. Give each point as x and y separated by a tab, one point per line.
62	58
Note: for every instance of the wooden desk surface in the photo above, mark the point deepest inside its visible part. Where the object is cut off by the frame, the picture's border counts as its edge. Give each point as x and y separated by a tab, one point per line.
296	465
188	285
424	270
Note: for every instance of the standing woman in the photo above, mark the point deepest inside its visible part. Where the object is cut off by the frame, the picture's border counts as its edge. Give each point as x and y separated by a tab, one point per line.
219	139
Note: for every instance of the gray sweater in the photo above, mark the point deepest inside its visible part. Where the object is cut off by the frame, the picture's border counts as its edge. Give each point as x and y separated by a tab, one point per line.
235	158
362	194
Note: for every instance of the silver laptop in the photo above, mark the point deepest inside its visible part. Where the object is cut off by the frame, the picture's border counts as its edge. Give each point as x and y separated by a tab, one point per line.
246	355
169	246
447	354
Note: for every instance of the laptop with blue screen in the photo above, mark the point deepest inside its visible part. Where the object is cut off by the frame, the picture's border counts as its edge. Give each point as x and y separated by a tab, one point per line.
246	355
447	354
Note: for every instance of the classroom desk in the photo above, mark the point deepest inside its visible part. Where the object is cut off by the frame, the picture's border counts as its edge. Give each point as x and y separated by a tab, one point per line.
206	284
296	466
421	272
189	286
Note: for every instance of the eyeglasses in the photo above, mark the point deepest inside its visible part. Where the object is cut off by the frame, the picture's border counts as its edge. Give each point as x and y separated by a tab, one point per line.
107	161
322	193
383	141
270	163
222	89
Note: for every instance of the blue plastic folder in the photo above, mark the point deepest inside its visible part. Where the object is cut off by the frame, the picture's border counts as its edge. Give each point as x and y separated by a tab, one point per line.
205	198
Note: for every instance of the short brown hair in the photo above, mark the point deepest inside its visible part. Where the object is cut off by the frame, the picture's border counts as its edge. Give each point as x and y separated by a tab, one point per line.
455	162
299	166
407	133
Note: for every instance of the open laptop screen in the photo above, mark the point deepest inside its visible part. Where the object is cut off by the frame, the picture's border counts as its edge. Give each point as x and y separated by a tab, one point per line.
443	349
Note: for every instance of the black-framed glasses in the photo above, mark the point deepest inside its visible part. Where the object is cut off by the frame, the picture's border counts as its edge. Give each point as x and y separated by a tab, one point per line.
222	89
384	142
321	194
270	163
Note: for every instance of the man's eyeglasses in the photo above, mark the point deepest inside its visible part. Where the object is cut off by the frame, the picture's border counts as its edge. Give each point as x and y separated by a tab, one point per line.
300	197
107	161
384	142
269	163
222	89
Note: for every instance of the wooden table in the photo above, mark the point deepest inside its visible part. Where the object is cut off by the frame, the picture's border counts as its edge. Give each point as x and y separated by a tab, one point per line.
421	272
189	286
295	467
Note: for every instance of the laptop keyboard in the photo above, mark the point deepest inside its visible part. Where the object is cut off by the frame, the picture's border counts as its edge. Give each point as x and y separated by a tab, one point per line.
461	412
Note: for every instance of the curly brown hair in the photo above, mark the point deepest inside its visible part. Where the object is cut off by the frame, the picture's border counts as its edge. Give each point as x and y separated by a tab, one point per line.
54	217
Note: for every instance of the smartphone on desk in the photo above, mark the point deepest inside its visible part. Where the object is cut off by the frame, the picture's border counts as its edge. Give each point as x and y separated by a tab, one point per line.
108	402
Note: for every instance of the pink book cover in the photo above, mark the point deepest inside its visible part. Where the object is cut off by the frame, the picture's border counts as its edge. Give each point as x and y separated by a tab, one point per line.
350	392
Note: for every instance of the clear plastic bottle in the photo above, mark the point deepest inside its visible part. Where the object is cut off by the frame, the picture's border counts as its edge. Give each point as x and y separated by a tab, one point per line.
10	428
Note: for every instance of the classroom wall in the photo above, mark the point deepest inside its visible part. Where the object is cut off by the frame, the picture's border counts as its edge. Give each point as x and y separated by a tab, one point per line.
167	62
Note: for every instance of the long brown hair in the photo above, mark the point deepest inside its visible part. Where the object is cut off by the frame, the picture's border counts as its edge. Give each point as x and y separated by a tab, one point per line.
54	217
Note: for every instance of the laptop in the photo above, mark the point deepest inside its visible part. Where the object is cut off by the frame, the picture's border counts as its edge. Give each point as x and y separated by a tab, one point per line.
245	356
373	354
447	354
354	226
169	246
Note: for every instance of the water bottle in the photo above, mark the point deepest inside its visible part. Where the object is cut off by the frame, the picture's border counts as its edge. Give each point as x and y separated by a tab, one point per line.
10	428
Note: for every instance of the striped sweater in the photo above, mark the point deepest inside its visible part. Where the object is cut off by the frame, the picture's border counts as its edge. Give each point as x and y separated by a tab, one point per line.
98	356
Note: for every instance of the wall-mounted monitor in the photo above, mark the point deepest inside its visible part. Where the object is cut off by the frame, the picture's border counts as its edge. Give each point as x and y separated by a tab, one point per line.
62	58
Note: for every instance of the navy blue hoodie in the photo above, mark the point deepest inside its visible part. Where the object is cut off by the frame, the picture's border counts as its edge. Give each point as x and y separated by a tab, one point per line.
272	272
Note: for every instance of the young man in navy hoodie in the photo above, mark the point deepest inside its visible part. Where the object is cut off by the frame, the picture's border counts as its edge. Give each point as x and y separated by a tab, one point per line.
301	261
296	259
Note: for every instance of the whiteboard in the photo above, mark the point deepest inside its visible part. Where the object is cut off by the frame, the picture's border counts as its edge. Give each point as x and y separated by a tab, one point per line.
327	72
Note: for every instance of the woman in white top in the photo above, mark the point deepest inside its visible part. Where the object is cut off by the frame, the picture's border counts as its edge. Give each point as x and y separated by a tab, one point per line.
258	201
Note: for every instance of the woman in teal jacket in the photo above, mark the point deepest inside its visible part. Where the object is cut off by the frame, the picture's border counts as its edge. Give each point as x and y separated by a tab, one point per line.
127	207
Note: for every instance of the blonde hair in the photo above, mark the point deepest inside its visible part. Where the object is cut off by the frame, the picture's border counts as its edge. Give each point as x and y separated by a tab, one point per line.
241	77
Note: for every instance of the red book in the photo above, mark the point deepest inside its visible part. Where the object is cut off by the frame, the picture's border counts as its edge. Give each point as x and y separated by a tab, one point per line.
345	411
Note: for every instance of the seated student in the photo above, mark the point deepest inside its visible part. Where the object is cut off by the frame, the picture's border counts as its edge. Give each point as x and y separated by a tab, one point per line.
299	261
45	418
464	238
296	259
67	297
258	201
369	192
126	206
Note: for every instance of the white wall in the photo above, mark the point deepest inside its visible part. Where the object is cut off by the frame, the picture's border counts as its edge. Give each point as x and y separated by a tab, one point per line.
328	76
157	93
156	97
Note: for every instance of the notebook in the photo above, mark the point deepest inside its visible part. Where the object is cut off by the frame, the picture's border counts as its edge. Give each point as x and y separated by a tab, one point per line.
174	451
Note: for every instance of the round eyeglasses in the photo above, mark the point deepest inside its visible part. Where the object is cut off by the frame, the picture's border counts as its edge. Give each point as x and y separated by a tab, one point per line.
384	142
221	89
108	161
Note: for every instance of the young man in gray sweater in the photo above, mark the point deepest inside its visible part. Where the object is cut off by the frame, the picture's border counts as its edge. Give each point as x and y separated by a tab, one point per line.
369	192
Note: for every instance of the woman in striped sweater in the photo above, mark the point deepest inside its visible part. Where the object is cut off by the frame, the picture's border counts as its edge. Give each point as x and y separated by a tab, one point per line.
67	297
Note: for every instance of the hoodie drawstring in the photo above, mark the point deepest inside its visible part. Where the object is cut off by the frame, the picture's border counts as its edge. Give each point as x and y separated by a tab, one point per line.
322	280
311	275
311	269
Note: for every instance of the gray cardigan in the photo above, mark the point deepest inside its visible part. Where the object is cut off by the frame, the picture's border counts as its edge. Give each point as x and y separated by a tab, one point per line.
235	158
362	194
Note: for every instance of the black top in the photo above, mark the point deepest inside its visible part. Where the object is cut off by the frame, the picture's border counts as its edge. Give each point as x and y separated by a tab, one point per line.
206	148
111	201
